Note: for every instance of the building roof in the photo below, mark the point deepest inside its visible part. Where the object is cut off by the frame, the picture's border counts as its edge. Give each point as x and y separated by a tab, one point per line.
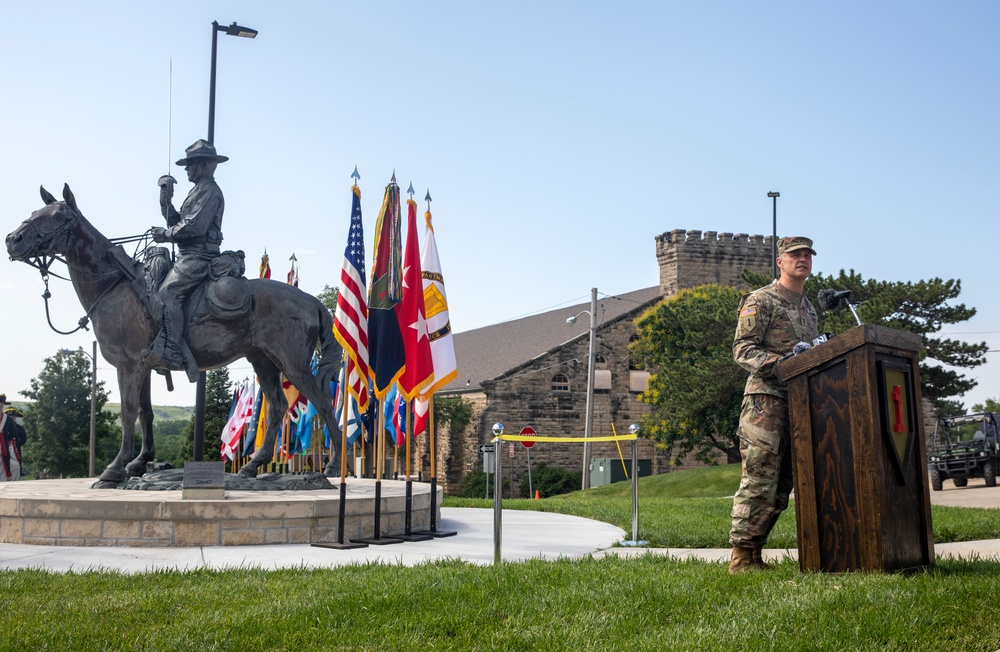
492	351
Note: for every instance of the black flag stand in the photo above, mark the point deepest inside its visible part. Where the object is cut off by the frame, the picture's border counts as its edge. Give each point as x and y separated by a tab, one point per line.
408	533
340	544
377	539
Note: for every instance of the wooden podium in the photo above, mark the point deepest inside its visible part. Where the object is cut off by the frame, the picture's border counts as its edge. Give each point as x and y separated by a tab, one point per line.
862	500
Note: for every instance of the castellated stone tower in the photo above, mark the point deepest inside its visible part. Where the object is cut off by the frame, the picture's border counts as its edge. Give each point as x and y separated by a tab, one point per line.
690	258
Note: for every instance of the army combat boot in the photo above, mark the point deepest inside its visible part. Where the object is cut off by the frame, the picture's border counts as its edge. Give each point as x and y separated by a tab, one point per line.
758	559
742	560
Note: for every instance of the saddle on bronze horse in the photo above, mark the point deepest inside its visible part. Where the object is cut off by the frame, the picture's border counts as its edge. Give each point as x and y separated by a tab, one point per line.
225	294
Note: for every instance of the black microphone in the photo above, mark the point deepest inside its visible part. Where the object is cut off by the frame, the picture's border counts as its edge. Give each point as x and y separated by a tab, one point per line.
830	299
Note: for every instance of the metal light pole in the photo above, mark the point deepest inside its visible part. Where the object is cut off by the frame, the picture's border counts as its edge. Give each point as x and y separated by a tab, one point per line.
93	401
588	428
774	233
199	397
232	30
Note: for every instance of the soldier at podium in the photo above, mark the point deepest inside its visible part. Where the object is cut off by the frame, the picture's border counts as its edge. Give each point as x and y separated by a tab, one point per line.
772	320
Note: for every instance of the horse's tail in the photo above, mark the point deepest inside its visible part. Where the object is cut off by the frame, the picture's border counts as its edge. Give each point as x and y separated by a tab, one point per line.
330	352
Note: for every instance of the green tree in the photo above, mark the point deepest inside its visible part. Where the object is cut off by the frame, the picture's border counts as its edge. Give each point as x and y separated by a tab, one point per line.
920	307
58	420
695	388
328	297
989	405
218	401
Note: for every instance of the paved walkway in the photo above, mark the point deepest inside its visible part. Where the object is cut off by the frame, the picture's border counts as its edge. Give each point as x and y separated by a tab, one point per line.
526	535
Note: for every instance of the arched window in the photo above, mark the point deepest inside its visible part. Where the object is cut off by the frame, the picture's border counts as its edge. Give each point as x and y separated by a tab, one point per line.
560	383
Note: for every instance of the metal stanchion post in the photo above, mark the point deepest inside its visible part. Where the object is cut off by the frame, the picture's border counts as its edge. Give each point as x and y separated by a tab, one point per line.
497	499
634	430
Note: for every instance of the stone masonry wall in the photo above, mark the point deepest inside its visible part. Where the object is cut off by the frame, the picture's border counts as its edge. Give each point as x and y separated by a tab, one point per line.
691	258
527	398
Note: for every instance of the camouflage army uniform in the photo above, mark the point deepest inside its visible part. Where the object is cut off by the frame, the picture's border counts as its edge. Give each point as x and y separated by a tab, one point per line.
772	320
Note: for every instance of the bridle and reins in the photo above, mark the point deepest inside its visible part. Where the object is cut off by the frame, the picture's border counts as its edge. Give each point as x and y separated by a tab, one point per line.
43	263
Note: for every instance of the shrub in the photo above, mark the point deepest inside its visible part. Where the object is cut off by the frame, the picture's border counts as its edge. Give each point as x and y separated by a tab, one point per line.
551	481
473	485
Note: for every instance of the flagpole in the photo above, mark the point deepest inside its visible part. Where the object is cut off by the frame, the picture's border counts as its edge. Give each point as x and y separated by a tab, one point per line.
377	539
431	428
408	533
342	507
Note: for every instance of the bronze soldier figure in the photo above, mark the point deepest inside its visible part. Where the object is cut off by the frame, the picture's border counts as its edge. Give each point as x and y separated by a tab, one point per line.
196	229
772	320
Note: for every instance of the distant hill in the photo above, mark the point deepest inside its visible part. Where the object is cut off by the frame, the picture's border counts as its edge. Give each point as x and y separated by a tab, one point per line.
160	412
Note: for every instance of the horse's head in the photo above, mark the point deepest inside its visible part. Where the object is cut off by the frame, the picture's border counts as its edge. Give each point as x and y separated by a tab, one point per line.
48	231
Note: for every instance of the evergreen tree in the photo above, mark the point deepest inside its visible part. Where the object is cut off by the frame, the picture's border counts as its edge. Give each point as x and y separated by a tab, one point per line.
218	402
58	420
695	388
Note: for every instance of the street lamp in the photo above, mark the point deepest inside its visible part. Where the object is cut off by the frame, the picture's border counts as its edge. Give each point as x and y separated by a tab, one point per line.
199	396
231	30
774	233
93	400
588	428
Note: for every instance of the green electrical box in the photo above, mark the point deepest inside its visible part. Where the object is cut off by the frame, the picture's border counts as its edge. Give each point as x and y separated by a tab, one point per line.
606	470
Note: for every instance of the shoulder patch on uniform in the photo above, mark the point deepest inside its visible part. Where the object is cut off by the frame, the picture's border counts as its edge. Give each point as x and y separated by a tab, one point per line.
749	311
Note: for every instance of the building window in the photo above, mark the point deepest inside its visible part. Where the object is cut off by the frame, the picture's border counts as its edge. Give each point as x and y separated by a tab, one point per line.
560	383
635	363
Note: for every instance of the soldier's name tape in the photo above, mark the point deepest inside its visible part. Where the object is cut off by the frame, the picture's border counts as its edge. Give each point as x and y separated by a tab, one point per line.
565	440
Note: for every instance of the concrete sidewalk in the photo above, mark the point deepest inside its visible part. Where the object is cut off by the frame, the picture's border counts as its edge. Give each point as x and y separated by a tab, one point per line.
526	535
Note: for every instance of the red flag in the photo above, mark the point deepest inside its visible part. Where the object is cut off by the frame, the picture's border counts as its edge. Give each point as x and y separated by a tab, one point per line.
350	321
419	369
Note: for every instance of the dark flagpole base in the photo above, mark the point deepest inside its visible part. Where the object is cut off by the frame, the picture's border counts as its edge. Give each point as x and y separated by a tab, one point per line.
408	534
381	541
350	545
434	532
378	539
340	544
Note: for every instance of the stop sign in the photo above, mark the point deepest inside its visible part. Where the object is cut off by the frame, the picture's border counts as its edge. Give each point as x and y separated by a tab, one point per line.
528	430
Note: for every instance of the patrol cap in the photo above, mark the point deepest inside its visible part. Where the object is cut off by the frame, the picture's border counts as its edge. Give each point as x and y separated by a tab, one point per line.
794	243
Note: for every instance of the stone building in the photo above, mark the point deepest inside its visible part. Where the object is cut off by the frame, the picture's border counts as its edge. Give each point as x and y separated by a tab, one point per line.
533	371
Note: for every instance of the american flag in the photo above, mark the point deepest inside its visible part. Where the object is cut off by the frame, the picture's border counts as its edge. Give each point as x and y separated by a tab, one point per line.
350	321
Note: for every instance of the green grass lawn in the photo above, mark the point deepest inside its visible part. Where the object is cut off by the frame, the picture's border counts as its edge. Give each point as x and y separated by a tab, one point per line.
691	509
646	603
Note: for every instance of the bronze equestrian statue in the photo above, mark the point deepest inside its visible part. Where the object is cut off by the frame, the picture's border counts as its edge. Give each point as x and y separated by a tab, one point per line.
277	334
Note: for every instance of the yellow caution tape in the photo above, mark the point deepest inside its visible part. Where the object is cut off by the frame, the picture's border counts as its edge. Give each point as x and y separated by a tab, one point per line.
565	440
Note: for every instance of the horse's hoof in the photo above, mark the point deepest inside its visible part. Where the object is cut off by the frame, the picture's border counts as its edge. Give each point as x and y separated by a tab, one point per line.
135	468
248	471
113	475
103	484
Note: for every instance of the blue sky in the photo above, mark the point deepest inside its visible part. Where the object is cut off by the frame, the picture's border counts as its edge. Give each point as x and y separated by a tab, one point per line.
556	138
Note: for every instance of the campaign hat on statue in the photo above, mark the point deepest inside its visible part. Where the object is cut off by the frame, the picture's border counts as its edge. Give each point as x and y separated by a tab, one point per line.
201	150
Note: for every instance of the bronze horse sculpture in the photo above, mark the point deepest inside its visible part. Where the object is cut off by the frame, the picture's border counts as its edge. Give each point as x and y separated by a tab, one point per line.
279	335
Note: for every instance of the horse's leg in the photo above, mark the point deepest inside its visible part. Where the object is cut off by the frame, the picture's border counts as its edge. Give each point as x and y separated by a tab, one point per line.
129	384
277	405
148	452
309	385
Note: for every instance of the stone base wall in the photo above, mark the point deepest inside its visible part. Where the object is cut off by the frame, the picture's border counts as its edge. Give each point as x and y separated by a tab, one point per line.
129	518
